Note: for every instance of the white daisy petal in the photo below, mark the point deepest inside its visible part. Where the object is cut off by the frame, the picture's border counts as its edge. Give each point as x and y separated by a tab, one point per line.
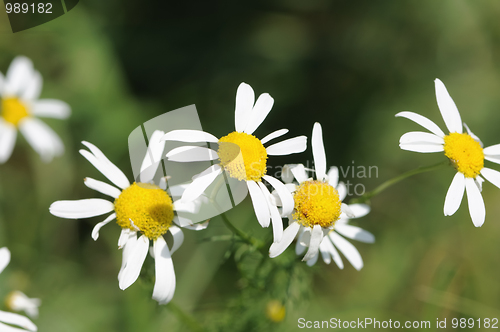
318	150
493	150
97	228
104	165
33	87
491	175
350	252
416	137
333	176
192	153
259	113
325	253
201	183
471	134
476	203
178	236
190	136
342	190
153	156
127	250
84	208
18	75
286	173
347	210
479	182
359	210
259	202
124	237
4	258
50	108
288	235
448	109
134	263
8	134
313	260
164	287
316	238
300	247
422	147
289	146
423	121
299	172
334	253
41	138
102	187
277	223
286	198
245	98
454	195
493	159
355	233
196	227
273	135
15	319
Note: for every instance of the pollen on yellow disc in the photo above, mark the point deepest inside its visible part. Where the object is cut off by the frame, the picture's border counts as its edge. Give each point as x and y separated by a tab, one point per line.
13	110
243	156
317	203
465	153
275	311
148	206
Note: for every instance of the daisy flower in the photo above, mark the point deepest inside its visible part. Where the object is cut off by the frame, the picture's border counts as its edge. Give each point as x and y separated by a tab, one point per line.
20	108
8	317
18	301
464	150
319	215
144	211
242	156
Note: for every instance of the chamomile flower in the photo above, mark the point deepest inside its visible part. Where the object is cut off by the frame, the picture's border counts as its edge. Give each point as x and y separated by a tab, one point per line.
18	301
20	108
464	150
242	156
10	318
144	211
319	215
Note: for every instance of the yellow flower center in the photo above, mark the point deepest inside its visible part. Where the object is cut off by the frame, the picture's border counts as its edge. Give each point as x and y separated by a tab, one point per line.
243	156
13	110
317	203
465	153
147	206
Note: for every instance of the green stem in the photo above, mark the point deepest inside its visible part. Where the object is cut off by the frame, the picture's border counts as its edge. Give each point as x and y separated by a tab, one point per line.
367	196
189	321
257	244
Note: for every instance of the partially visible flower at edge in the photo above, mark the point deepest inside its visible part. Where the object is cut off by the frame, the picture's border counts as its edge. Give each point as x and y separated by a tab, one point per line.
20	108
9	317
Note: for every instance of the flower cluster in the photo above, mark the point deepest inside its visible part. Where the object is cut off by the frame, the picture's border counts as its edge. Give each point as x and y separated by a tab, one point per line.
310	201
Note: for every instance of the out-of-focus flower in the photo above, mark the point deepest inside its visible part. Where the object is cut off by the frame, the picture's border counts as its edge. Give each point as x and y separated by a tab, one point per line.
465	151
319	215
20	108
275	311
143	209
18	301
8	318
243	157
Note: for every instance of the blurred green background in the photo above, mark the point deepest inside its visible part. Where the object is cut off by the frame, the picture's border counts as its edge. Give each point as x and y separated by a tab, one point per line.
349	65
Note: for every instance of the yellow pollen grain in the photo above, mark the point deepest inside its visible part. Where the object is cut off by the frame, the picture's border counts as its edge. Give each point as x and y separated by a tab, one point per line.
317	203
149	207
465	153
13	110
243	156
